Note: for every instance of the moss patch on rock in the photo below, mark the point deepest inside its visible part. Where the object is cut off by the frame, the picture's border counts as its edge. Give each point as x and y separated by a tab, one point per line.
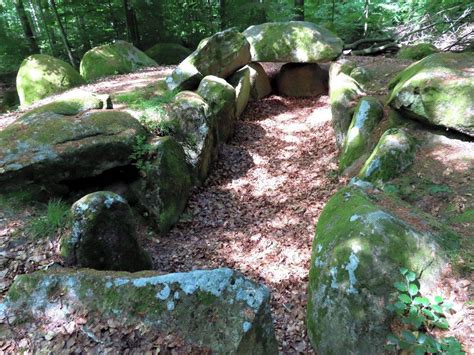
417	51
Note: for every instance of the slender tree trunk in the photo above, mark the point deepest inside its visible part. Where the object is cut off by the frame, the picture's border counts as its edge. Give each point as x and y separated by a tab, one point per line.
46	28
366	16
299	10
66	44
113	20
132	25
85	39
223	14
25	24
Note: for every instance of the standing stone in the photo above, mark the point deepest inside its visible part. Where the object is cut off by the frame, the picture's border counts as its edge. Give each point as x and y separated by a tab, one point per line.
41	75
293	41
221	98
240	80
260	85
103	235
302	80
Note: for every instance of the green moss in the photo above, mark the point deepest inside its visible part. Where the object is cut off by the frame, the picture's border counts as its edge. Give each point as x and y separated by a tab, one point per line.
417	51
41	75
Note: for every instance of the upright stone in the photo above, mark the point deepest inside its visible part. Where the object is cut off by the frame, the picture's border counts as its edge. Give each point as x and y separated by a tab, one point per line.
240	80
260	85
103	235
302	80
41	75
293	41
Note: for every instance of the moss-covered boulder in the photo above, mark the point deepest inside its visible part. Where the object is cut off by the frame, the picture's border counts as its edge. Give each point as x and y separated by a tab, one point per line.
221	98
215	311
417	51
362	240
393	154
302	80
41	75
110	59
260	85
219	55
55	144
164	190
168	53
438	90
344	93
368	113
293	41
240	80
103	235
189	120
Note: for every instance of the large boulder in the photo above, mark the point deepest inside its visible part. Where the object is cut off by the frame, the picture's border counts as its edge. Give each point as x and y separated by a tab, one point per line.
363	237
168	53
110	59
164	190
191	123
221	98
368	113
417	51
260	85
438	90
240	80
393	154
302	80
219	55
103	235
294	41
57	143
344	93
201	312
41	75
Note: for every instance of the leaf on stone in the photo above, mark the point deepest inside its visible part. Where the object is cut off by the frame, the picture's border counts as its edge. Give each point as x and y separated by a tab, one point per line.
401	286
410	276
404	298
408	336
421	300
413	289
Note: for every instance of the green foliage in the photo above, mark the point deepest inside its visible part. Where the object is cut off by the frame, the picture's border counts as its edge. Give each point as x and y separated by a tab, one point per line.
420	314
142	153
55	219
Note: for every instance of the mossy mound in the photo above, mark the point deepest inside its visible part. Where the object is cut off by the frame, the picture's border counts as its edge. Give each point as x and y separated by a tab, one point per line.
103	235
168	53
219	311
221	98
416	51
164	190
219	55
302	80
438	90
362	239
41	75
367	115
46	146
111	59
293	41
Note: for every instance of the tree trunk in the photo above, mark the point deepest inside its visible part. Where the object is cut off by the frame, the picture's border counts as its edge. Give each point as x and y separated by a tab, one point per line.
113	20
366	16
299	10
132	25
46	28
66	44
333	11
85	39
25	24
222	12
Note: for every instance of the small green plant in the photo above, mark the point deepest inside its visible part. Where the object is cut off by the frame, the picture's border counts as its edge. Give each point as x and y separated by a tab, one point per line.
420	314
57	217
142	155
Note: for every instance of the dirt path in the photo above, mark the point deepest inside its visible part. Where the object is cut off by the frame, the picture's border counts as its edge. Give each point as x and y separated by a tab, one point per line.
257	210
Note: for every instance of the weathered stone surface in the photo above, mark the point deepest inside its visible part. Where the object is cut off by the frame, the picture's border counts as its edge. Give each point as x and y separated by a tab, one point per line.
41	75
221	98
260	85
54	144
293	41
218	311
439	90
164	191
302	80
240	80
193	126
219	55
344	93
361	242
168	53
416	51
110	59
368	113
103	235
393	154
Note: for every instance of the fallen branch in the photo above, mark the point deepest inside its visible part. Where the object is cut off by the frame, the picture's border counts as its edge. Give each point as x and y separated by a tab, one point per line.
459	40
375	50
367	40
